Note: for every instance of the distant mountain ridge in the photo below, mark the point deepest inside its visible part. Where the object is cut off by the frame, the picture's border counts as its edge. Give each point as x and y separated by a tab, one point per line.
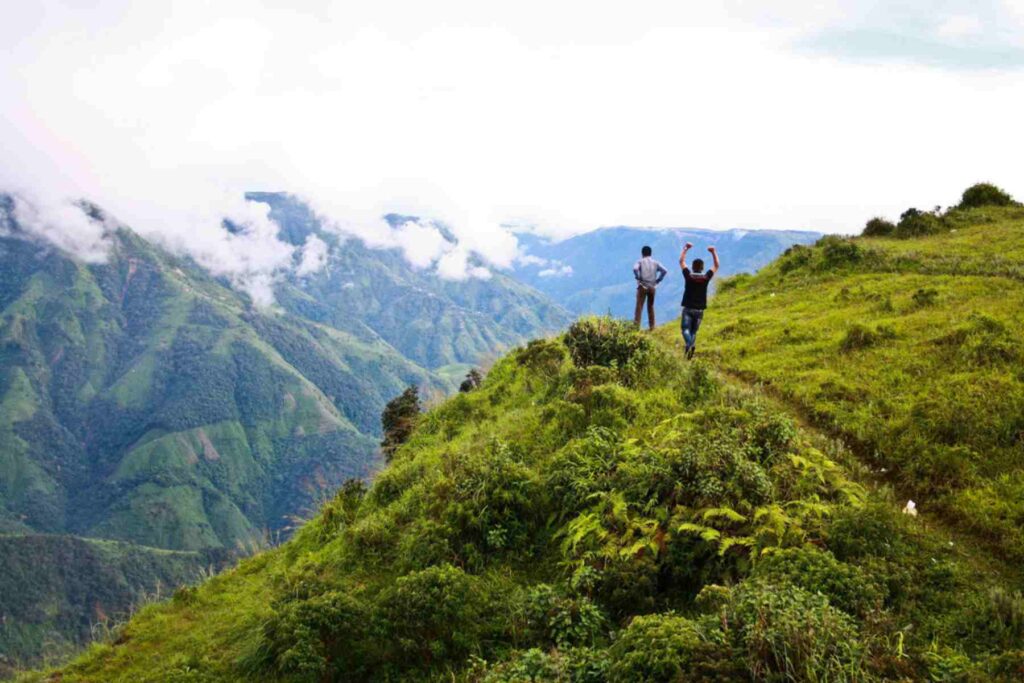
592	272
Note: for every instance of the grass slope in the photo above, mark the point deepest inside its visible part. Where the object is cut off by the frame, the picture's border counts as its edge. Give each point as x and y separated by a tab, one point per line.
597	511
910	349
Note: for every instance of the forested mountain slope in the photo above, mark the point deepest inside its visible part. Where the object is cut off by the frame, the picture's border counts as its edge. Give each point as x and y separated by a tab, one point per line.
598	510
592	273
143	400
376	293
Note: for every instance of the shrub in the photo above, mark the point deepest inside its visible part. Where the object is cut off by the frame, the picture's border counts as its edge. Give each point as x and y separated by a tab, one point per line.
846	586
472	381
915	223
878	227
794	258
733	282
562	620
985	194
317	637
837	252
874	530
578	664
669	648
544	356
983	341
699	383
488	499
604	341
398	420
771	437
437	614
791	634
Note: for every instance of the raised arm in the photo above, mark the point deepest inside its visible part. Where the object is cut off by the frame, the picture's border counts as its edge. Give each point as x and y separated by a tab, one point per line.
682	256
714	254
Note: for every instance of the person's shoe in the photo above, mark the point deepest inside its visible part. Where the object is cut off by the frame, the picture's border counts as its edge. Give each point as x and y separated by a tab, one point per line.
689	352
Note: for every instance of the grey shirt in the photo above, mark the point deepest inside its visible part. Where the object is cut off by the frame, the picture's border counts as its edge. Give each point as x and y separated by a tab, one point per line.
649	272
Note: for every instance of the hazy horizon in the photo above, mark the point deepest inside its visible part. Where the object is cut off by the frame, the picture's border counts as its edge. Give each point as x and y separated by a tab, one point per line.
564	117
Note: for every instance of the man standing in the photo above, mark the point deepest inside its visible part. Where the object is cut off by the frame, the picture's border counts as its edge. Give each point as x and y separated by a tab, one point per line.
649	274
695	296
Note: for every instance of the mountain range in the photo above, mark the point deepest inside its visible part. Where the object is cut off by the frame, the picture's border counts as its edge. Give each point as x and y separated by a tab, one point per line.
829	491
144	401
155	423
591	273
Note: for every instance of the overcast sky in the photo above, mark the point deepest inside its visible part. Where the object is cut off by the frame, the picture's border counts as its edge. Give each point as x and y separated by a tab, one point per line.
568	115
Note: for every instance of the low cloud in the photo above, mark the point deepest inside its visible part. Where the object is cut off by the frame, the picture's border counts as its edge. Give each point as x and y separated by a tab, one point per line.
64	224
556	271
313	257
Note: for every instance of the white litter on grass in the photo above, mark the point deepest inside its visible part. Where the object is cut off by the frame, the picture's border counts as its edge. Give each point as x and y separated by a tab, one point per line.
910	508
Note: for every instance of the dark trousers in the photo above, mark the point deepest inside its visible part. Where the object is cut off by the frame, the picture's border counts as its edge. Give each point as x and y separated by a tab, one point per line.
644	294
690	323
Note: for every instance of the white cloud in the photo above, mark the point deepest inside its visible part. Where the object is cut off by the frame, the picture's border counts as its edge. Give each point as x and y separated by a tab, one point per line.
314	256
668	114
557	271
960	26
65	225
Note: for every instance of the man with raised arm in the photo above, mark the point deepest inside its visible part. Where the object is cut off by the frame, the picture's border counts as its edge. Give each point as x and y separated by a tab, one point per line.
695	296
649	274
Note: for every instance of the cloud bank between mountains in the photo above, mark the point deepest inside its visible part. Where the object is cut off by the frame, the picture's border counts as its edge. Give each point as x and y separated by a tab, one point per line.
252	256
562	116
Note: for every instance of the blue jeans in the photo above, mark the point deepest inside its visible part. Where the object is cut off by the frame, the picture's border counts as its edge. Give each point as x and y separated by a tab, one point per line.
690	323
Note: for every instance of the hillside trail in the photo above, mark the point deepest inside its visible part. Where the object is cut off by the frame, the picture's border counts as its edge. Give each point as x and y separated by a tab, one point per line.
980	555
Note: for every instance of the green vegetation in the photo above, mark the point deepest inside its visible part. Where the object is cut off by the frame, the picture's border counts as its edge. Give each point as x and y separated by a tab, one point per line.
398	420
635	519
63	591
911	351
145	401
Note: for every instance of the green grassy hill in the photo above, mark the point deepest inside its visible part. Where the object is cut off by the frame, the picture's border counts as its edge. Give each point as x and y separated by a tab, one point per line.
912	350
599	510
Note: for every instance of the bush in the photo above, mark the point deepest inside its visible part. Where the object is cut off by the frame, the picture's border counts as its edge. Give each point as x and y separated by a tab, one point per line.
472	381
733	282
438	614
669	648
794	258
544	356
985	194
837	252
317	637
846	586
398	420
604	341
915	223
793	635
579	665
878	227
561	620
874	530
